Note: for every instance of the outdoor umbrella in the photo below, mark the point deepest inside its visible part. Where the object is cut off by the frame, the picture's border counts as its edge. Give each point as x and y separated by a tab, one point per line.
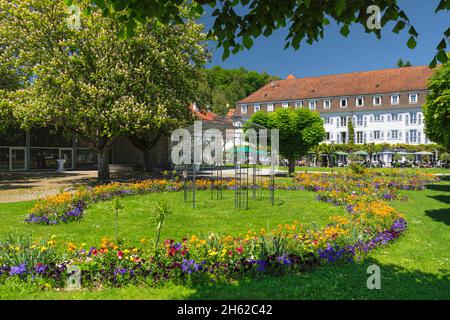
424	153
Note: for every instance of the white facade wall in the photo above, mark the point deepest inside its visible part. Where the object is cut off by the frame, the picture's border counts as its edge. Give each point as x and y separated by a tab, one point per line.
378	126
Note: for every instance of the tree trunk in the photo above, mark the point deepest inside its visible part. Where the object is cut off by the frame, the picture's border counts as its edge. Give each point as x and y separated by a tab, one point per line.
291	166
148	164
145	145
103	165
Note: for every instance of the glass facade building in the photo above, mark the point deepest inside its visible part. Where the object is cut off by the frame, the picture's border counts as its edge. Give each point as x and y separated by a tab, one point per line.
39	148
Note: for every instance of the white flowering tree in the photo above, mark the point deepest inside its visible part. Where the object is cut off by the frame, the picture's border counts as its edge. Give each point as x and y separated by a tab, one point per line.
95	85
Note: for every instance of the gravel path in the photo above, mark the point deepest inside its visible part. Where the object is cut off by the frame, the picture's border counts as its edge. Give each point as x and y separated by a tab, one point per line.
15	187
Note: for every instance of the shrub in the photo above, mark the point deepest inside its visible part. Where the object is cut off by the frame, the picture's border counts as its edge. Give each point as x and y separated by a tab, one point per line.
445	157
357	168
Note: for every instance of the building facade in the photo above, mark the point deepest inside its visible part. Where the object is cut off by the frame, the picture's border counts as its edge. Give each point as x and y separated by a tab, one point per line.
40	148
384	106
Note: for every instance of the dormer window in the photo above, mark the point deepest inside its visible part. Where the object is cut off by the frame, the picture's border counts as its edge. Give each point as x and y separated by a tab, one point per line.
299	104
377	100
413	97
359	101
344	103
395	99
244	109
327	104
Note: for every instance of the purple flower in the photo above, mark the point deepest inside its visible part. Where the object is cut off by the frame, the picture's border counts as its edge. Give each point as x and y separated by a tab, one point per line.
40	268
189	266
18	270
284	259
90	251
331	254
261	265
120	271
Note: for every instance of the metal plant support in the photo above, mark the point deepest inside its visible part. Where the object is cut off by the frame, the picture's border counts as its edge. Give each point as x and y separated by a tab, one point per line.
243	173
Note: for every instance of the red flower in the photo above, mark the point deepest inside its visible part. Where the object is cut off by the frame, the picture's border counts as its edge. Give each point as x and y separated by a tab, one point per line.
172	251
120	254
184	251
239	249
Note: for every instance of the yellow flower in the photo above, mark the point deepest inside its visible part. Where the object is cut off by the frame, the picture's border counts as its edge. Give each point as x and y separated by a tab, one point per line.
71	246
42	249
212	253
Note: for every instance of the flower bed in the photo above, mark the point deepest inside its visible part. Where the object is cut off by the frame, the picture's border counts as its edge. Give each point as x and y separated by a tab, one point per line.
370	222
290	248
349	188
67	206
337	189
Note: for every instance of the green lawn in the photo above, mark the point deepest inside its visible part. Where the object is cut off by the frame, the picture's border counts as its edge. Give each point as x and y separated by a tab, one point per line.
135	220
343	169
415	267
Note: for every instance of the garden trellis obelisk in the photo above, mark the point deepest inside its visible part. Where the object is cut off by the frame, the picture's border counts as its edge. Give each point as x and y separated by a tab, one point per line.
229	154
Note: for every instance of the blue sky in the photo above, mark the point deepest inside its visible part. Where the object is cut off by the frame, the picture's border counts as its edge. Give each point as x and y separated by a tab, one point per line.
337	54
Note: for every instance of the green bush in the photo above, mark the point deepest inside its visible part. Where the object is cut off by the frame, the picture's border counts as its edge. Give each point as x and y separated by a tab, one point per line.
357	168
445	157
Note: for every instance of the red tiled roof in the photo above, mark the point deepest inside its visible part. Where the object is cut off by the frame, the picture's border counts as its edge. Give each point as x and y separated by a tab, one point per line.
230	112
346	84
203	114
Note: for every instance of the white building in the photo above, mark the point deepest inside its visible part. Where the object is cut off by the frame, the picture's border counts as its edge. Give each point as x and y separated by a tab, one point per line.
385	106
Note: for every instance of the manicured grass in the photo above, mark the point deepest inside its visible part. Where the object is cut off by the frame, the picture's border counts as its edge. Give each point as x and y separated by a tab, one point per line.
415	267
343	169
135	220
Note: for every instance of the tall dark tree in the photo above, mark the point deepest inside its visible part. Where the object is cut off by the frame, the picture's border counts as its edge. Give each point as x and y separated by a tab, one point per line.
222	88
403	64
351	132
